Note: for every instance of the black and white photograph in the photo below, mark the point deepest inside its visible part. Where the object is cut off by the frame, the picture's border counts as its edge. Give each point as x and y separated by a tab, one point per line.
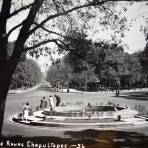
73	74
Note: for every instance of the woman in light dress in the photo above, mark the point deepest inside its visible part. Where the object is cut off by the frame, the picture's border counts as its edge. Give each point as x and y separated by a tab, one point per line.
26	109
51	103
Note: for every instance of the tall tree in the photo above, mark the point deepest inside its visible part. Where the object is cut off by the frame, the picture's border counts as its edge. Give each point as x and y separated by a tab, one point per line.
144	61
26	71
60	72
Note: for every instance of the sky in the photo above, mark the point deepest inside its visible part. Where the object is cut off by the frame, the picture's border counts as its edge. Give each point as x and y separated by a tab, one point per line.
133	38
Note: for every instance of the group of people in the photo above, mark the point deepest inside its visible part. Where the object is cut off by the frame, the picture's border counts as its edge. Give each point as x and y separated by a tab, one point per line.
44	103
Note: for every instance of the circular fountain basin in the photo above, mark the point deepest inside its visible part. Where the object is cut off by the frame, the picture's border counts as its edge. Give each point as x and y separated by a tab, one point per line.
82	112
83	117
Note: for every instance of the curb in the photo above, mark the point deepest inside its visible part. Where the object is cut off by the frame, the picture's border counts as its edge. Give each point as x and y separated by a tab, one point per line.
73	125
78	125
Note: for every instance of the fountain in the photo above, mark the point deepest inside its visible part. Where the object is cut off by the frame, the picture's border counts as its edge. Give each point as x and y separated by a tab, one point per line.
81	116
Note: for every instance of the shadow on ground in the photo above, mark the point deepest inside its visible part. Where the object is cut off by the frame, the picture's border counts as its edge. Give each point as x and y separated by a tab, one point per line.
86	138
134	95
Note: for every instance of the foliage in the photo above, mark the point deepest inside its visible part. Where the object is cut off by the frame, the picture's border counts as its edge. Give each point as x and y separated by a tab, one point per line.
59	72
26	72
104	61
144	59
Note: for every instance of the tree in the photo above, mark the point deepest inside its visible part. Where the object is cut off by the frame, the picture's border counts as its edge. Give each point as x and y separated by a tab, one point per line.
87	75
35	29
60	72
26	71
109	61
78	49
144	60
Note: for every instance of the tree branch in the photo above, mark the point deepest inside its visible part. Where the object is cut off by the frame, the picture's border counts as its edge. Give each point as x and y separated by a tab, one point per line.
53	32
5	11
56	5
19	10
49	31
65	12
59	7
43	43
60	45
13	29
108	11
23	35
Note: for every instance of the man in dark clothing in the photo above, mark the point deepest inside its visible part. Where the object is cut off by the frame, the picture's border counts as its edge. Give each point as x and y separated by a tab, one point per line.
43	104
58	100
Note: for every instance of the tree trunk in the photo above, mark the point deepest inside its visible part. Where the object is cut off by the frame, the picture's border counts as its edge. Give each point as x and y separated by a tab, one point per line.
6	73
7	68
3	95
86	81
67	87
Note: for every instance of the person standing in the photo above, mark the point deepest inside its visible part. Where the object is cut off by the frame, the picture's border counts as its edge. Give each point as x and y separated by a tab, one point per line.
51	102
43	104
58	100
26	109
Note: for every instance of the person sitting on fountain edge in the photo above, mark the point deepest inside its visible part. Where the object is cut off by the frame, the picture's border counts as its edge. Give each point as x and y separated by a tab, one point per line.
58	100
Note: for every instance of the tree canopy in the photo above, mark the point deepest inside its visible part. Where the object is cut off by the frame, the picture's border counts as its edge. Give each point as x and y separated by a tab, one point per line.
103	62
26	71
